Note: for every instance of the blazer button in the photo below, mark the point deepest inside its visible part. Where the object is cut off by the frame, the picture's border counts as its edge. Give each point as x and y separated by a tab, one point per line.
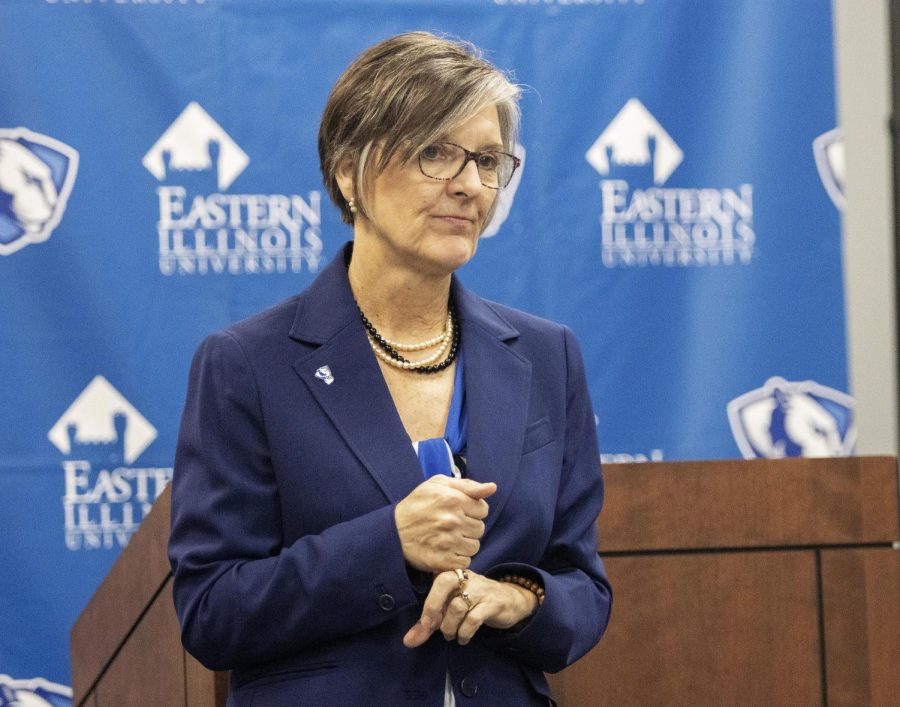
386	602
469	687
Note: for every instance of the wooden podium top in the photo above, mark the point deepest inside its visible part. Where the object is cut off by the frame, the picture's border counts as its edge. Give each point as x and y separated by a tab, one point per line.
753	503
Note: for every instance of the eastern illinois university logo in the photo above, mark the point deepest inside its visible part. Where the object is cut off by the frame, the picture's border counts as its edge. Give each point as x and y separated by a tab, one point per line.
644	223
196	146
101	435
793	419
204	229
37	174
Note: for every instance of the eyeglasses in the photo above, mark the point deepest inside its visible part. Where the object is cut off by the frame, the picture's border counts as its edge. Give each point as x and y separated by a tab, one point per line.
446	160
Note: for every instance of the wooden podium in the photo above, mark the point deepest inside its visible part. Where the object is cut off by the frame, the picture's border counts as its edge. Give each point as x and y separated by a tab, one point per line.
763	582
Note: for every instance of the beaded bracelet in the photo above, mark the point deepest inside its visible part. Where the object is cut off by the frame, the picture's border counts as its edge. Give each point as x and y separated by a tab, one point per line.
528	584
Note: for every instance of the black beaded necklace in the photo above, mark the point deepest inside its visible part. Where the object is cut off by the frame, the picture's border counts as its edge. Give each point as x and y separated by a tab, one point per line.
380	341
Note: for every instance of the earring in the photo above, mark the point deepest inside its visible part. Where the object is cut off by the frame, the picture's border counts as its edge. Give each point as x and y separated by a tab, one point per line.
352	206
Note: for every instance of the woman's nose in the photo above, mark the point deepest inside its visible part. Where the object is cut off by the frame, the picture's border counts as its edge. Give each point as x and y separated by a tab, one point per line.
468	181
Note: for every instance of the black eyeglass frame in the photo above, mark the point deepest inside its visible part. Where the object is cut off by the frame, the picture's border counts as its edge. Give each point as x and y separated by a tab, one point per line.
473	156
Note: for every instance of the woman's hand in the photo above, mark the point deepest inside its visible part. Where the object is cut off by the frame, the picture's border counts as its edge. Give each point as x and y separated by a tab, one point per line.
491	603
441	523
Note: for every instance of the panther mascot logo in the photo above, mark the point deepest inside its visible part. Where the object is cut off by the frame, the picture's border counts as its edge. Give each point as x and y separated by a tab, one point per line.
793	419
33	693
36	177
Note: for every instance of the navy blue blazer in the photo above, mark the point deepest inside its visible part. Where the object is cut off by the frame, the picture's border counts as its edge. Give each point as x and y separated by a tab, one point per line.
287	565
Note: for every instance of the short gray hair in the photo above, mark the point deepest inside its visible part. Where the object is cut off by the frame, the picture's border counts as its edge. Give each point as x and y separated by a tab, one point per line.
403	94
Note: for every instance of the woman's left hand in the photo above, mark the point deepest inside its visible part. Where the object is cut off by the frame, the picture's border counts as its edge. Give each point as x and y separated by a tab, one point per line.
495	604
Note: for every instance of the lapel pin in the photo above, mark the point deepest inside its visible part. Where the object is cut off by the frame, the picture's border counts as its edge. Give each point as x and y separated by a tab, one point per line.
324	374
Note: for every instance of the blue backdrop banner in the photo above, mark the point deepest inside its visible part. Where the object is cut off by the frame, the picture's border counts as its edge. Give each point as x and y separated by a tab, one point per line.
678	208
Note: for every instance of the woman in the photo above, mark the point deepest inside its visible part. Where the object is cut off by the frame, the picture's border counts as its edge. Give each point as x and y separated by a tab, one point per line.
387	461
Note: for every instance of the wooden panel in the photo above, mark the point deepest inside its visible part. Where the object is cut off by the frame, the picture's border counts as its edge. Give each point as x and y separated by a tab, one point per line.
861	599
203	687
749	503
115	608
704	629
222	688
149	668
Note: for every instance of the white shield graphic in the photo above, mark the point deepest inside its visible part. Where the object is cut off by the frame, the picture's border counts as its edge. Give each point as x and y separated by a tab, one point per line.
37	173
784	418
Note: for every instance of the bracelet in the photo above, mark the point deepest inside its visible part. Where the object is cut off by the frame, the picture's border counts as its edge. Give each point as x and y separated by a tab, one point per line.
528	584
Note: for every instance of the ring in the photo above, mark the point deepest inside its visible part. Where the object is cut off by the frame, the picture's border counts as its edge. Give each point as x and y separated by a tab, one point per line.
465	598
461	577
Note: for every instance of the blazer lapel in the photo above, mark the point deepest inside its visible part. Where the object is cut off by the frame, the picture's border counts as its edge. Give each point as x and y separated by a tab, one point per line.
357	400
498	384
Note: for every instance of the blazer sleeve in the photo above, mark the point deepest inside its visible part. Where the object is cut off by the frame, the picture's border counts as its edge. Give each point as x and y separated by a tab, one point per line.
242	597
578	596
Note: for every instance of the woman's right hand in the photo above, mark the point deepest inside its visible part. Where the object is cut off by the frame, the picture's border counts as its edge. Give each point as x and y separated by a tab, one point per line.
441	522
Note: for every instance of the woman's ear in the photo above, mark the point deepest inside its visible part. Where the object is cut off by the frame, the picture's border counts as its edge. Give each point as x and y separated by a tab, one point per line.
344	177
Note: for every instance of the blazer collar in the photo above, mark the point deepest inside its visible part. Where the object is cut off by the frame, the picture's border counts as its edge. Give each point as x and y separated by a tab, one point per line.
498	382
328	306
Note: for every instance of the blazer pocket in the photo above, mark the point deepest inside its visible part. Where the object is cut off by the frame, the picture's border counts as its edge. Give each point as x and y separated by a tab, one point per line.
538	434
297	687
304	670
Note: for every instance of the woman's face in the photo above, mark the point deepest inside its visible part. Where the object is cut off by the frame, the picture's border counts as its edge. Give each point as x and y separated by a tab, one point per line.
428	224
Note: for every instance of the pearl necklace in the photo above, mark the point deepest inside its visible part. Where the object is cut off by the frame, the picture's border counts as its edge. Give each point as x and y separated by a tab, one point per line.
389	351
442	338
